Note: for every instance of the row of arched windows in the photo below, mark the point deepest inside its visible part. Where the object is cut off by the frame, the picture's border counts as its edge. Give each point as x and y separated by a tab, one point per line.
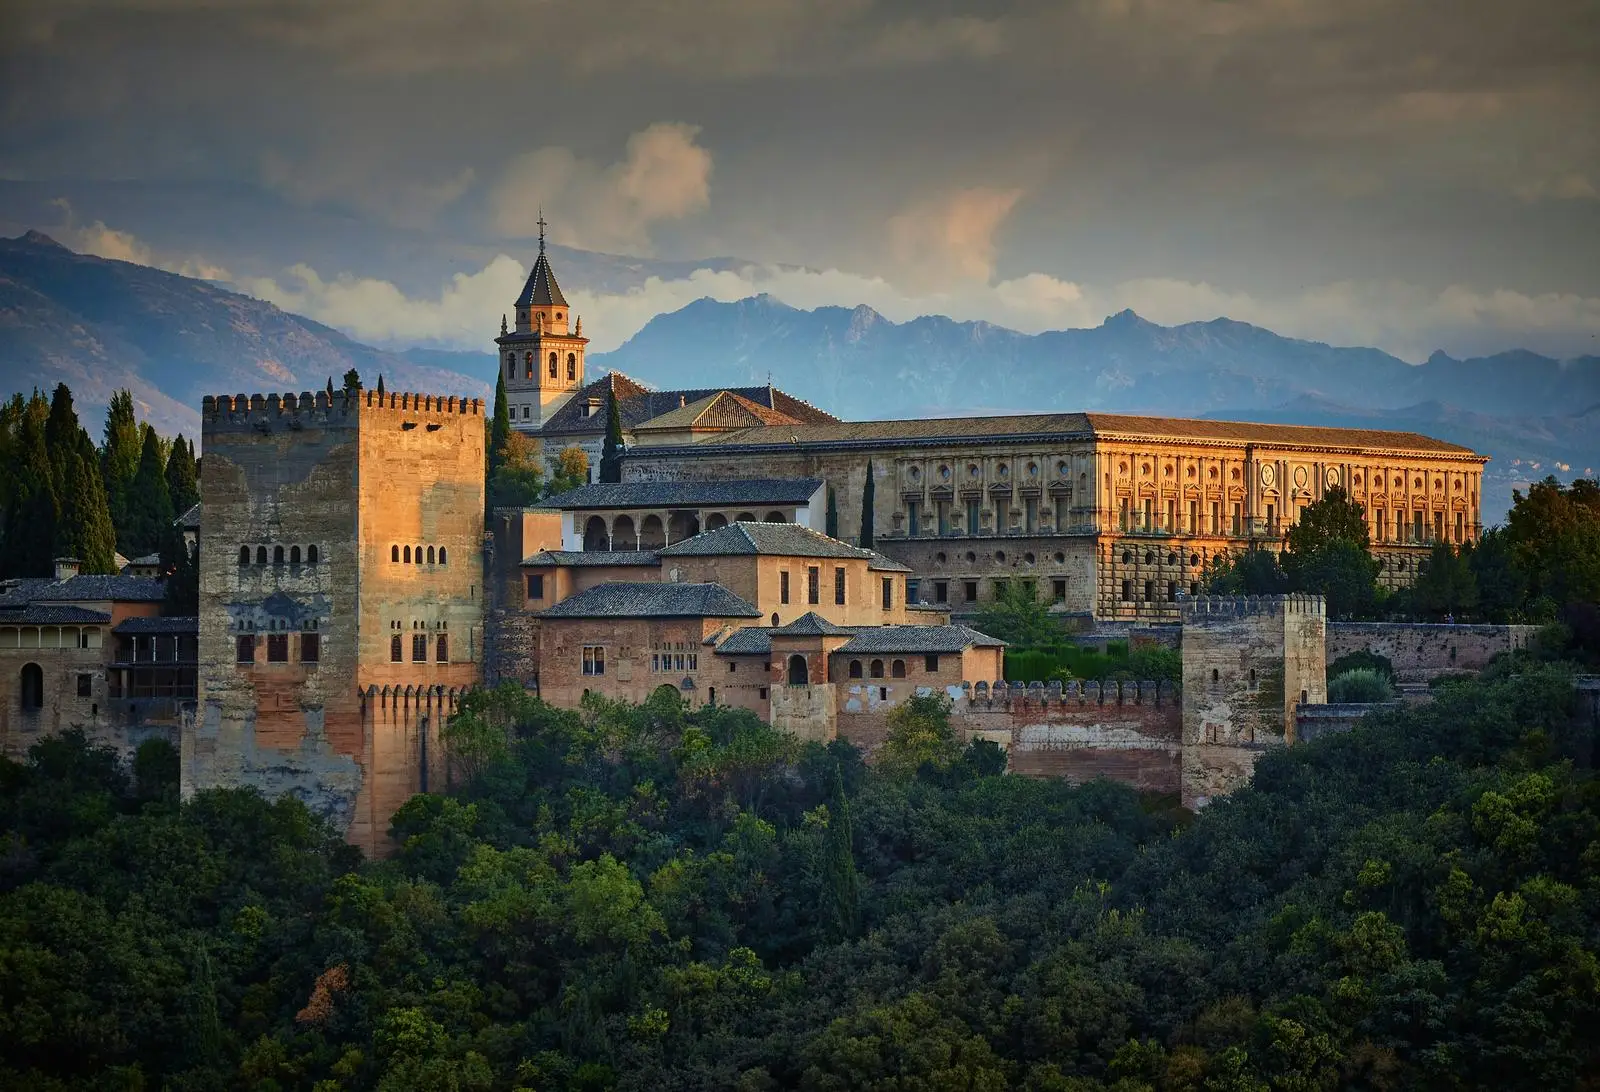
416	555
279	555
555	366
897	669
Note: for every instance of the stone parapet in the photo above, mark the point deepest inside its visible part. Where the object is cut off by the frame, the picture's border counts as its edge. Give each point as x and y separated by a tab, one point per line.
1204	609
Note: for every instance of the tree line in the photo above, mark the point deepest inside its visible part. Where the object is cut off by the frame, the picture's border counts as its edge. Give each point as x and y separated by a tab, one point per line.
657	897
64	496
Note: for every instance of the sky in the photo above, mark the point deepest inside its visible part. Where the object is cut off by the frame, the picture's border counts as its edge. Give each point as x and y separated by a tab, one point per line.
1416	176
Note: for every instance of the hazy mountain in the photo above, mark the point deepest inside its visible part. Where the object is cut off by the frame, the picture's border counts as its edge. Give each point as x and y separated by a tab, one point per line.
102	325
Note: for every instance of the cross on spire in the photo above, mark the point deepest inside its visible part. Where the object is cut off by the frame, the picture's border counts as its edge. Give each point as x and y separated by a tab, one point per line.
542	226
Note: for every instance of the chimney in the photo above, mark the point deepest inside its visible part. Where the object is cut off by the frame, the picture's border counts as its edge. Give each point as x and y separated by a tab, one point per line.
67	567
683	400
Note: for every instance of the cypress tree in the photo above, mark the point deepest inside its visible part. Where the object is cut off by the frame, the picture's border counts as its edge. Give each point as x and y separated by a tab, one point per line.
380	384
119	460
33	512
867	497
86	529
500	426
150	506
831	524
61	439
182	476
352	380
611	453
842	883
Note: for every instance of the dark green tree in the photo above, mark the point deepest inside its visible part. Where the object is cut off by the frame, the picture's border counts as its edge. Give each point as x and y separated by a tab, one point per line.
1502	586
352	380
380	384
1446	584
500	425
150	513
868	498
1555	534
182	475
1327	554
119	457
61	430
831	524
1018	616
611	453
33	512
86	532
841	881
1253	571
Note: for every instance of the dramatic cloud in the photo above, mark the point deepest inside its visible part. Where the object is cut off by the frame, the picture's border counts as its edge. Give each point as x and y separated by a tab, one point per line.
122	246
951	238
664	175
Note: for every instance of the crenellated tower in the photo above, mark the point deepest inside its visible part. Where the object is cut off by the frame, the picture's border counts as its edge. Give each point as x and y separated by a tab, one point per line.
542	353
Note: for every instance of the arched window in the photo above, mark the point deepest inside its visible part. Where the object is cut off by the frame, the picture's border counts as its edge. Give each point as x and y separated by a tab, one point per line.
244	555
876	669
396	648
32	688
528	361
441	555
261	555
277	555
1215	675
774	619
572	366
430	555
855	669
798	672
553	359
442	652
1252	678
416	555
311	555
898	669
394	553
407	555
294	555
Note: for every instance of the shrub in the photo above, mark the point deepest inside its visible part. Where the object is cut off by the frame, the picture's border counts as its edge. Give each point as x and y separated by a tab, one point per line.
1362	659
1361	685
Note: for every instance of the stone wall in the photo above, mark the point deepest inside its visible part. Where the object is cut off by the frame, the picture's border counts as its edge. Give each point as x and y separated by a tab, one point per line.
1312	722
1420	651
806	712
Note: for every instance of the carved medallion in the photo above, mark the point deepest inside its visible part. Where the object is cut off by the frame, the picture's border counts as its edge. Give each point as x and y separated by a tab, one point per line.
1268	475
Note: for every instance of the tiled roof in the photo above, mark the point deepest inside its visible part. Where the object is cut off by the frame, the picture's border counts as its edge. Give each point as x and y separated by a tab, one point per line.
780	539
1075	426
748	641
935	608
723	410
541	289
177	624
146	560
755	492
637	404
915	639
20	592
652	600
190	520
51	616
880	563
812	624
102	589
594	557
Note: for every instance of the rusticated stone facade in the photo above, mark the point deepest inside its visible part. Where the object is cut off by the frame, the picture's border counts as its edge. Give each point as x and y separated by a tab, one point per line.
341	596
1247	663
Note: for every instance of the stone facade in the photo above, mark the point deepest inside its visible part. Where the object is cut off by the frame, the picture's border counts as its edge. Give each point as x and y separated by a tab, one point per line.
1247	663
1108	514
341	596
1419	651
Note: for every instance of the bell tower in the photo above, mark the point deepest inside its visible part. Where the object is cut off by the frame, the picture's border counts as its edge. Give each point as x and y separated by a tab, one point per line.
541	356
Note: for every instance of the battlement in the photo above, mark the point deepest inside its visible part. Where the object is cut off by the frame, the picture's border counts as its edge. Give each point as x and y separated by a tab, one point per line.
321	407
1217	608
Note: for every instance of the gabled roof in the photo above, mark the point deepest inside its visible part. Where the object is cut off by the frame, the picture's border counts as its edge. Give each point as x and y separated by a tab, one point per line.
812	624
102	589
781	539
756	492
176	624
914	639
637	404
652	600
879	563
723	410
747	641
594	557
190	520
541	289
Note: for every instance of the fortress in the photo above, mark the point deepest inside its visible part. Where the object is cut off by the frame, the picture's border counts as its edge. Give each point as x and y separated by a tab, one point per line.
351	587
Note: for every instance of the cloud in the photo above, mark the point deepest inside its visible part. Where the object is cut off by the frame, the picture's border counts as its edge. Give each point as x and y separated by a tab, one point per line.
122	246
663	175
951	237
367	177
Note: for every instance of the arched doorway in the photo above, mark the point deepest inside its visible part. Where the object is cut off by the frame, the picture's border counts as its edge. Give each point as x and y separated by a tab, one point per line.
623	536
745	517
595	535
775	517
682	525
651	534
715	520
798	672
32	688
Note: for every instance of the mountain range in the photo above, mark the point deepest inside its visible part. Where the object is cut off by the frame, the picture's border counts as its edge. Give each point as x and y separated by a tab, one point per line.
102	325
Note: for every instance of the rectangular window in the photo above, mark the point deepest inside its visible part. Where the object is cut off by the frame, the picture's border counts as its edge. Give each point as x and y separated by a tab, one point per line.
913	519
783	587
1058	590
838	586
941	516
1194	518
941	591
813	584
1438	525
655	662
1216	517
913	589
970	590
1172	516
761	692
1416	526
1030	514
310	648
1127	591
1149	590
1063	517
732	667
594	660
441	649
1149	514
277	648
1272	518
888	592
535	585
419	648
244	648
1124	515
396	650
1461	526
85	682
972	515
1172	591
1238	520
930	662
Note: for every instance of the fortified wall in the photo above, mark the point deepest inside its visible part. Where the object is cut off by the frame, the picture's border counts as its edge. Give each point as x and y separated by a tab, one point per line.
1420	651
341	596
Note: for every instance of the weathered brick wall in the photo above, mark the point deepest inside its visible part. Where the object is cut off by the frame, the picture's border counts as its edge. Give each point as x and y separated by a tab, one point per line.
1420	651
627	643
1312	722
806	712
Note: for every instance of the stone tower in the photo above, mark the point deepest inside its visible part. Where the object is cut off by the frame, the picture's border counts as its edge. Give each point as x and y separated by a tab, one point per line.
341	597
1247	662
542	355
